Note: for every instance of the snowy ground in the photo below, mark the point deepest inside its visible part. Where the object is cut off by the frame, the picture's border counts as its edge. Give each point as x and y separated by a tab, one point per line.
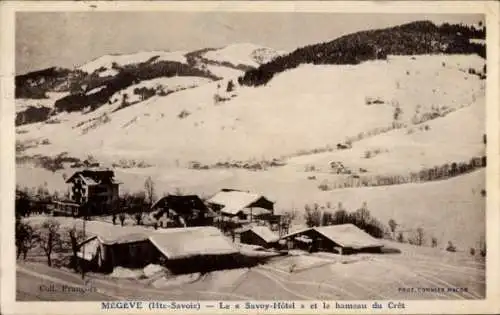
23	103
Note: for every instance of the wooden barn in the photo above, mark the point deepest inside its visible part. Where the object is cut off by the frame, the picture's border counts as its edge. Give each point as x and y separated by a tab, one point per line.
259	235
131	251
183	211
342	239
195	249
181	250
244	205
96	190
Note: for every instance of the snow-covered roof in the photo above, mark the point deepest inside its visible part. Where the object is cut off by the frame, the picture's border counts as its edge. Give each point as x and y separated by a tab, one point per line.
93	176
346	235
234	201
265	233
123	237
256	211
181	243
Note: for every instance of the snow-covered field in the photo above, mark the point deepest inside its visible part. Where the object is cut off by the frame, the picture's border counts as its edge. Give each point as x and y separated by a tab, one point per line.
23	103
168	85
410	149
242	54
224	72
107	61
300	109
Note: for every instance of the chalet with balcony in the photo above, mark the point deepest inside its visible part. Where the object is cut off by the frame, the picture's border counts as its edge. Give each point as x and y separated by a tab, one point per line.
96	191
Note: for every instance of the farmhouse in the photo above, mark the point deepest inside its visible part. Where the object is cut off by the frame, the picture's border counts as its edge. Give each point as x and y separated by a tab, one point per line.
195	249
113	245
95	190
184	211
132	251
242	204
342	239
179	249
259	235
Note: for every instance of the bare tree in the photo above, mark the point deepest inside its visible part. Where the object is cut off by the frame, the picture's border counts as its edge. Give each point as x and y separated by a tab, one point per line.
230	86
482	246
418	238
138	218
434	242
25	238
340	217
312	217
122	218
149	188
327	218
400	237
124	100
362	214
49	238
397	114
74	237
392	225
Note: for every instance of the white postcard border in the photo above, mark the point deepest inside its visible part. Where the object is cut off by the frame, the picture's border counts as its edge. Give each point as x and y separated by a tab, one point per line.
7	136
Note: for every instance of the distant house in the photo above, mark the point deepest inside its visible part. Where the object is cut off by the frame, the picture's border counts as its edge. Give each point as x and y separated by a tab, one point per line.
185	211
342	239
96	190
259	235
242	204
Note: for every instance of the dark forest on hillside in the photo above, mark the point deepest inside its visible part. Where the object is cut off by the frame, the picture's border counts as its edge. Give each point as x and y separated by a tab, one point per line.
415	38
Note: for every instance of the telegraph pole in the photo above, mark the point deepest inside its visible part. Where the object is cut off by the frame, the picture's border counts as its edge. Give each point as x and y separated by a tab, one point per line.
83	247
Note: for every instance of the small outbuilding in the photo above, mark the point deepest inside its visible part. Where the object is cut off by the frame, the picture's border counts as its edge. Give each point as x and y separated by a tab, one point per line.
195	249
191	249
342	239
259	235
103	254
185	211
245	205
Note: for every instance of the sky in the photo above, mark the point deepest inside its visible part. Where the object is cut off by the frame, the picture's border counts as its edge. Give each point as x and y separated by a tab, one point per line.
70	39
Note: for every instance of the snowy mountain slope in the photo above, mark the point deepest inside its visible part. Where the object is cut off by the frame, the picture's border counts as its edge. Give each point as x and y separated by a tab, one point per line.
243	54
73	125
159	86
268	121
23	103
414	38
224	72
105	63
95	83
406	150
